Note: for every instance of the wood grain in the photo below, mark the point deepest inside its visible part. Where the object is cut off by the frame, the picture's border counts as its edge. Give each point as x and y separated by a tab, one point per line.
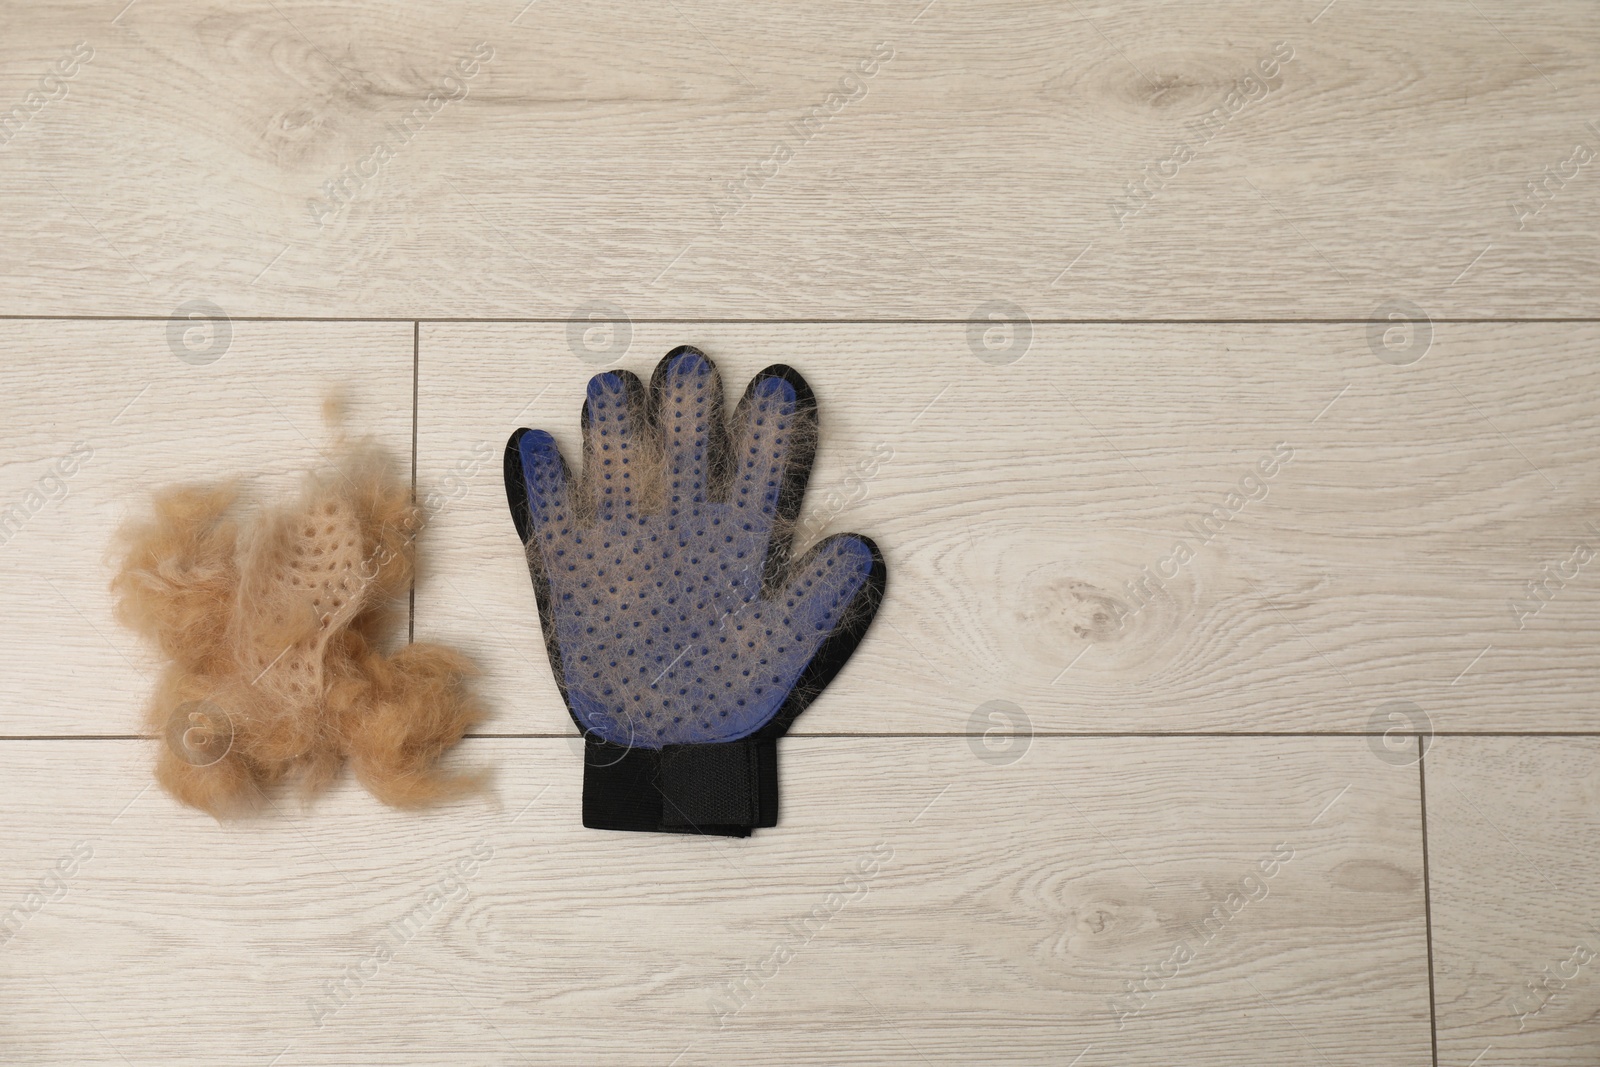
1418	562
246	404
1006	906
1515	935
1017	504
988	157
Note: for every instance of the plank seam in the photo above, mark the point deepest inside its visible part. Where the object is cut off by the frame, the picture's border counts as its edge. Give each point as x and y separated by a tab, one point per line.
1153	735
808	322
416	351
1427	898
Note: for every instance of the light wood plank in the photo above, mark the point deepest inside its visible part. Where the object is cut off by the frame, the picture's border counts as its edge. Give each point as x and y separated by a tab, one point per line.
591	157
113	405
1516	912
1011	903
1020	502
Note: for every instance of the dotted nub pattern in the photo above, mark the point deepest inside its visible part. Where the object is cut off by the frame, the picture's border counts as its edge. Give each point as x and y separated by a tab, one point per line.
319	562
654	565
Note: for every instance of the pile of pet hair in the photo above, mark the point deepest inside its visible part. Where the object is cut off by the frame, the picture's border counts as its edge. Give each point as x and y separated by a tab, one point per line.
275	621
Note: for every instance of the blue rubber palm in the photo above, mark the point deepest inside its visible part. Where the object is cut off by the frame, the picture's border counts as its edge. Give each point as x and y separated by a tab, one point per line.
683	635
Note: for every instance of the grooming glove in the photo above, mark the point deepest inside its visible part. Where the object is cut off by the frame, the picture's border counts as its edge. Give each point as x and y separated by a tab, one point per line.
684	635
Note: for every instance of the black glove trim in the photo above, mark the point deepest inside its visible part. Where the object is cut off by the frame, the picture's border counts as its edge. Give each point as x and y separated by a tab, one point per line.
725	789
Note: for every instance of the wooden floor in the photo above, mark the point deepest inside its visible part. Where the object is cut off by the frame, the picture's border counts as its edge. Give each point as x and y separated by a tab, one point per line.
1317	783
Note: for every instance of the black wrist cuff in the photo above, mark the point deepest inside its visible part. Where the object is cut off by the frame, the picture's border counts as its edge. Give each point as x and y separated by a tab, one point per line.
728	788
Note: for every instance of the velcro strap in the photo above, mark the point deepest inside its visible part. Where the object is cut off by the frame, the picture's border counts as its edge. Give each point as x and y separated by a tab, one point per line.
709	785
726	788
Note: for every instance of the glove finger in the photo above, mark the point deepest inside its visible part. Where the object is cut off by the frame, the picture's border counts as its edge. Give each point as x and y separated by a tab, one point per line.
686	394
775	436
820	596
824	611
546	484
616	444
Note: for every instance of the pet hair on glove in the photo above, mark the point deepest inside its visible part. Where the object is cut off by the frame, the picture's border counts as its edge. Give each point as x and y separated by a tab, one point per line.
273	621
682	630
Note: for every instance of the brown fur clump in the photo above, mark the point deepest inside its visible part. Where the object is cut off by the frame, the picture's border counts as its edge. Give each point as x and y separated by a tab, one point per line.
272	622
